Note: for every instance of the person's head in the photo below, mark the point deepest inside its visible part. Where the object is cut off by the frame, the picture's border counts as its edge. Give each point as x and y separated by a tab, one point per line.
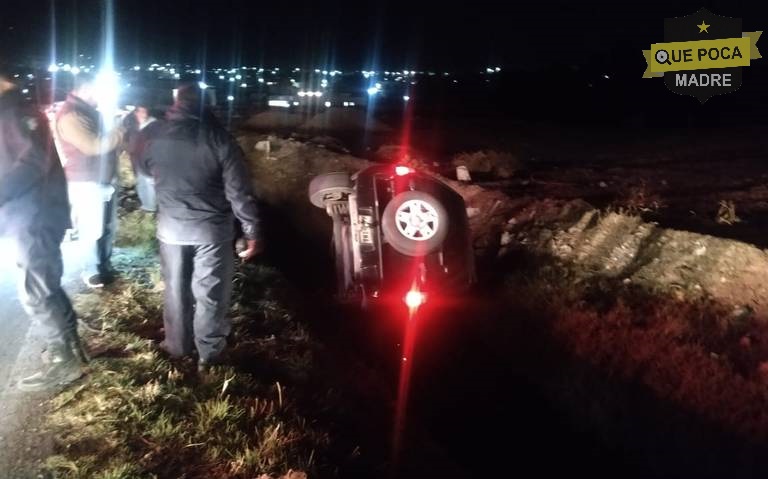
7	80
142	113
188	98
85	88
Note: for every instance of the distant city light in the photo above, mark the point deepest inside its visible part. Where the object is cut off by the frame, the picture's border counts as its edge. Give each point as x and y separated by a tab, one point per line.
197	72
230	98
221	77
232	79
25	91
30	76
75	70
279	103
498	69
606	77
302	93
177	76
261	80
406	98
295	103
243	85
239	77
202	85
137	68
53	68
373	90
346	103
67	67
327	104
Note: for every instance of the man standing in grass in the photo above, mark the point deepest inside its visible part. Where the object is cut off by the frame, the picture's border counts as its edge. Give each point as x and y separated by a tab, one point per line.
89	153
202	184
34	211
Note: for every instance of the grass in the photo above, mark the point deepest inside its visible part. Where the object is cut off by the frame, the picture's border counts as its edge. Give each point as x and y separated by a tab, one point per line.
140	415
137	230
699	356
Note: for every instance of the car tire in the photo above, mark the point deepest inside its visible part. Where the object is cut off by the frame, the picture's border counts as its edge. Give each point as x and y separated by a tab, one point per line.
415	239
327	186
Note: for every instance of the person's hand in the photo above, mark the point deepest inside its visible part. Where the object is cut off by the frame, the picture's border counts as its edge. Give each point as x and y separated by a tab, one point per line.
252	249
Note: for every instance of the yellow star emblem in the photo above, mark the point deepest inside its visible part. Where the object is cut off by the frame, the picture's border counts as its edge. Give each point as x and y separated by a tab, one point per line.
703	27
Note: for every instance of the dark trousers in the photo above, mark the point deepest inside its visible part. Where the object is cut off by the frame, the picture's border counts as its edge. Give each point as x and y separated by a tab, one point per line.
40	265
198	287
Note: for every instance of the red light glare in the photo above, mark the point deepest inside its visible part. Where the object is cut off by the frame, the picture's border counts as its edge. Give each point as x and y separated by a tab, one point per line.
401	170
414	299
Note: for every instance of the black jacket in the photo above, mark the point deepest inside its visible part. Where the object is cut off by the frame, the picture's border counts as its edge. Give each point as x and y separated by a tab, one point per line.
200	179
33	189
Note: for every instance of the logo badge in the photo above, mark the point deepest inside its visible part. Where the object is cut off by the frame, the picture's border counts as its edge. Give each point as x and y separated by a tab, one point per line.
702	55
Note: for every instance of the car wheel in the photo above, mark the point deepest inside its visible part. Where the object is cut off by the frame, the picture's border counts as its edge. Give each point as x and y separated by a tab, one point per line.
415	223
329	186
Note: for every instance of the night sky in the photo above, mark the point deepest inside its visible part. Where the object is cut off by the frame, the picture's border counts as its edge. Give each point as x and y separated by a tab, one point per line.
344	34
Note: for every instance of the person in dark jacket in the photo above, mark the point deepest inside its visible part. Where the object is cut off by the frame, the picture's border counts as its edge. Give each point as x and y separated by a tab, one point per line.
201	179
140	119
34	212
88	151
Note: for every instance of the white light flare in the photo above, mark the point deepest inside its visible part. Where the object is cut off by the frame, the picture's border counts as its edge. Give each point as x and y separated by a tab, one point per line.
107	93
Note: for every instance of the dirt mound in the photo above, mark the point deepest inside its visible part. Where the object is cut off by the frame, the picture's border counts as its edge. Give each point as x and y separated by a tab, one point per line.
345	119
489	162
593	242
624	247
274	120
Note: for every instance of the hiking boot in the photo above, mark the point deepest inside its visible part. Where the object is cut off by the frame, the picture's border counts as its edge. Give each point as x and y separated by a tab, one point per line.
63	368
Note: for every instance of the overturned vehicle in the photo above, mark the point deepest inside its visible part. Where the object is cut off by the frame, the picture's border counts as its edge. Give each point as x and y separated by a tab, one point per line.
398	234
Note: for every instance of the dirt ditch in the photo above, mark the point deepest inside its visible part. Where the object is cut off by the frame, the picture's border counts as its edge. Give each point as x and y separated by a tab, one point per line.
596	335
